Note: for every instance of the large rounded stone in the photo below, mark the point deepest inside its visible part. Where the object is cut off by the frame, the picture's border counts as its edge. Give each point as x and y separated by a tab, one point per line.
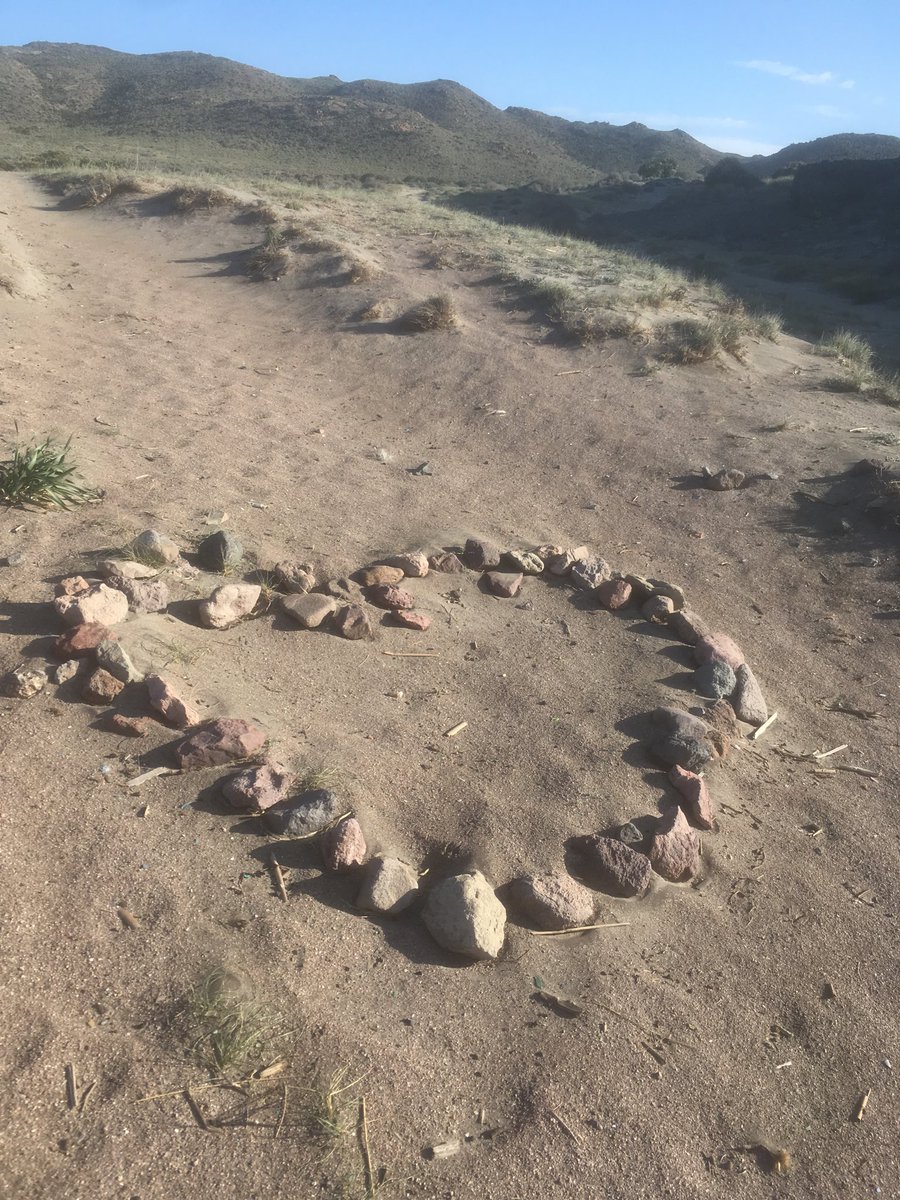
413	564
680	750
155	548
481	555
100	604
748	701
463	915
221	551
229	604
716	680
389	886
310	610
676	720
718	647
552	901
614	865
305	814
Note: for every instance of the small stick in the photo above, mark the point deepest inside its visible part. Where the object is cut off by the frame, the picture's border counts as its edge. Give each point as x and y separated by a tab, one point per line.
82	1103
281	1115
279	877
863	1105
195	1109
410	654
568	1128
858	770
828	753
71	1096
757	733
139	779
363	1134
781	1066
306	837
558	373
577	929
457	729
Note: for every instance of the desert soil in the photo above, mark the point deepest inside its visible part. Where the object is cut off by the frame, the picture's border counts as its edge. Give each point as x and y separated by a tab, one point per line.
754	1008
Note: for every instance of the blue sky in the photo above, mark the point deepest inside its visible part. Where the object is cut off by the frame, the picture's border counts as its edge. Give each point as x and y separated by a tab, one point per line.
747	78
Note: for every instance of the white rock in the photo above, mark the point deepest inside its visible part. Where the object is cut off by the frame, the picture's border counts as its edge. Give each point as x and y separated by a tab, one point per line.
23	682
464	915
100	603
228	604
110	567
389	886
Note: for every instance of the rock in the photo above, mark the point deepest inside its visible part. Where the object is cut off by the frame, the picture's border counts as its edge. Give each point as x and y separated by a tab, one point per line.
386	595
526	562
463	915
310	610
413	564
411	620
389	886
99	604
632	836
112	658
448	563
101	687
221	551
715	680
305	814
503	583
588	573
66	670
614	593
381	574
229	604
688	627
672	590
14	559
295	578
81	640
552	901
214	743
726	480
352	622
559	561
718	647
155	548
657	609
257	788
144	595
676	720
695	798
675	849
616	867
481	555
641	588
72	585
127	726
124	568
344	846
747	699
721	716
681	750
169	704
344	590
23	682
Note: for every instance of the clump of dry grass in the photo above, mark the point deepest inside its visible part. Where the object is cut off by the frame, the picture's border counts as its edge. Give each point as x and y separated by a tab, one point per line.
696	340
273	258
361	270
226	1030
860	372
190	198
437	312
80	190
375	311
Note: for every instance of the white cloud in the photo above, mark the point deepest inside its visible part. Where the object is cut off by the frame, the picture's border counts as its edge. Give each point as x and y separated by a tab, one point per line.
746	146
823	78
825	110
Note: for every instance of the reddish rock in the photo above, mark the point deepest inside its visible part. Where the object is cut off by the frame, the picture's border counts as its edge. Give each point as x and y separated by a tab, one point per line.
71	586
127	726
718	743
614	593
688	627
386	595
352	622
82	640
101	687
721	716
448	563
214	743
100	603
171	707
504	583
616	867
143	595
695	798
413	564
257	788
552	901
481	555
344	846
411	620
658	609
675	850
718	647
381	574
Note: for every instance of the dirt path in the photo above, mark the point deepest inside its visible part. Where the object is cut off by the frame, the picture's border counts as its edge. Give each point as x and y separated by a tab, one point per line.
187	391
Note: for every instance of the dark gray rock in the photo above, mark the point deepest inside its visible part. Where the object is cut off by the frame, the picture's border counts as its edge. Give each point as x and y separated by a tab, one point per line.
220	551
304	814
679	750
715	680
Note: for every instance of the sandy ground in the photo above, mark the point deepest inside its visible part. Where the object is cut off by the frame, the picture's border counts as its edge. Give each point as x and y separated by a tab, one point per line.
189	391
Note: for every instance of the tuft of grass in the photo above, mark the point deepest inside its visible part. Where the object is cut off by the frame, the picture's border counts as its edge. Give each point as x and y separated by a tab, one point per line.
849	348
372	312
44	475
437	312
690	341
227	1030
272	259
360	270
860	371
188	198
314	775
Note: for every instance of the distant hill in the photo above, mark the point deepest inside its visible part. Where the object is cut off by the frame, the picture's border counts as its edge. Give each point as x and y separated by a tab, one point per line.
838	147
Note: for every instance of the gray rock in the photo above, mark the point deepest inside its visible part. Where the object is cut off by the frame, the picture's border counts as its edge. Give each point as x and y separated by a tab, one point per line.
657	609
389	886
112	658
144	595
14	559
672	590
481	555
676	720
309	611
155	548
221	551
552	901
679	750
726	480
614	865
675	851
715	680
352	621
588	573
307	813
747	699
23	682
66	670
631	835
110	568
640	588
463	915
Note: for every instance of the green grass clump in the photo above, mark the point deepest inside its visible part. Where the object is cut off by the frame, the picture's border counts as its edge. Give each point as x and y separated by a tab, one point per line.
227	1030
43	475
848	347
437	312
860	371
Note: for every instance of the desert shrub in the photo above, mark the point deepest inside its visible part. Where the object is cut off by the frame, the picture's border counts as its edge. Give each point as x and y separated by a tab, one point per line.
731	172
188	199
658	168
849	347
437	312
44	475
371	312
694	340
273	258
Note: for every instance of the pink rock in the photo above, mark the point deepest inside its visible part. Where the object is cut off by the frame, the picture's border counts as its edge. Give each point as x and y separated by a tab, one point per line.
447	563
675	850
214	743
257	788
352	622
617	867
82	640
504	583
101	687
688	627
695	798
295	577
310	610
71	586
171	707
344	846
614	593
381	573
414	564
144	595
99	603
718	647
748	701
411	620
127	726
385	595
552	901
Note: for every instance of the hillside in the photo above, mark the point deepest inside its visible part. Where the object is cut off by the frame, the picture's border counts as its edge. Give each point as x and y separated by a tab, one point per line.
837	147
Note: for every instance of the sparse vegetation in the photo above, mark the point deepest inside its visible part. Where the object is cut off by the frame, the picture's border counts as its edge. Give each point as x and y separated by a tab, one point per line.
437	312
273	258
860	372
372	312
43	475
188	199
226	1030
313	775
